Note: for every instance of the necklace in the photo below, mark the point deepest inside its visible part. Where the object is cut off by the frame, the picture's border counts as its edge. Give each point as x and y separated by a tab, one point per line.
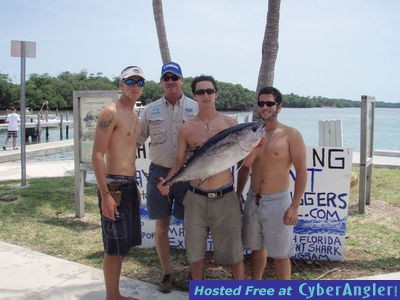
209	122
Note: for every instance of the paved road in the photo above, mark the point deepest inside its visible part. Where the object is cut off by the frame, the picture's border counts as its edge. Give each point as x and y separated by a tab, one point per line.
27	274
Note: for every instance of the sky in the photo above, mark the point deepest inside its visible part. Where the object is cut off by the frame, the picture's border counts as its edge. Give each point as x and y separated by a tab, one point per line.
337	49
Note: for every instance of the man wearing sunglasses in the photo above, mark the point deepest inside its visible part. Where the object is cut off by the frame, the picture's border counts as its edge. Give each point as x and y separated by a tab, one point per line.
116	136
161	121
270	211
211	205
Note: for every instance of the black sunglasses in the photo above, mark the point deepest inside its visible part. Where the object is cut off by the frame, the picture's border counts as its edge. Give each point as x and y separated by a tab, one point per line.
173	77
131	82
267	103
202	92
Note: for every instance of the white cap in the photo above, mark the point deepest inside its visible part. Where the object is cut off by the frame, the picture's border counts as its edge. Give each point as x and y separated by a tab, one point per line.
132	71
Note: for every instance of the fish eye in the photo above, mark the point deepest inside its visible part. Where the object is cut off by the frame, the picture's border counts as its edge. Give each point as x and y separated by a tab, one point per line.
254	128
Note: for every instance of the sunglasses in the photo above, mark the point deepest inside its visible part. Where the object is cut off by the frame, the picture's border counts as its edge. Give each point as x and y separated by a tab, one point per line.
131	82
202	92
267	103
172	77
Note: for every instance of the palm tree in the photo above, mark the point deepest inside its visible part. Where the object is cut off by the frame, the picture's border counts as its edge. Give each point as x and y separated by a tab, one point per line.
270	48
161	33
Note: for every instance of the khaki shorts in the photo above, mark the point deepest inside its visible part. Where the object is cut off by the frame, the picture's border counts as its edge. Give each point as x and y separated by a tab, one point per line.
220	216
263	226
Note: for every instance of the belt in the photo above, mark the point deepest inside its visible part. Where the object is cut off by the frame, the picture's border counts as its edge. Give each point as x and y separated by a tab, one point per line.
117	186
213	194
161	167
117	182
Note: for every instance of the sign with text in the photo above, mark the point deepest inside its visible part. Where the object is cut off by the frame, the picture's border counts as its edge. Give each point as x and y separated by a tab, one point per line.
89	108
320	231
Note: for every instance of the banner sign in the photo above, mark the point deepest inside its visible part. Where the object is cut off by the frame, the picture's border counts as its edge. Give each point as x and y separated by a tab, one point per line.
293	289
320	231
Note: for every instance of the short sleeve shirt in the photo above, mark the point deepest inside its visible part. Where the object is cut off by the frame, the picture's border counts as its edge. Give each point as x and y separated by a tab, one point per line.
161	122
13	120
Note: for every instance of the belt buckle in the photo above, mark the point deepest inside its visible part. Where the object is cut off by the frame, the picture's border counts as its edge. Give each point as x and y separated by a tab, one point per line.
212	195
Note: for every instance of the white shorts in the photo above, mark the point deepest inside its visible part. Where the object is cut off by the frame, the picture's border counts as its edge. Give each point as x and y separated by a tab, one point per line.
263	224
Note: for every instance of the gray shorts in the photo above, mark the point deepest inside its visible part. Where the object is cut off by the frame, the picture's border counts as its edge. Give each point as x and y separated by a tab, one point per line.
220	216
263	224
159	206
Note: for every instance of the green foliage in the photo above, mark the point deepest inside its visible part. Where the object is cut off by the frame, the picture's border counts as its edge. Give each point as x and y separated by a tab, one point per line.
58	91
8	91
152	91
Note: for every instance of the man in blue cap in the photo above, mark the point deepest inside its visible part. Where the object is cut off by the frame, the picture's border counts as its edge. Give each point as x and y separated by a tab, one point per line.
161	121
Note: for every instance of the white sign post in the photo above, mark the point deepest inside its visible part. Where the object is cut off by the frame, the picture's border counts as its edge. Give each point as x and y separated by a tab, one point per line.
23	49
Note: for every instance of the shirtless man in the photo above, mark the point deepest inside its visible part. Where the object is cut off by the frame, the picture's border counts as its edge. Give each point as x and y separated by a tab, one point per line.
119	201
269	212
203	211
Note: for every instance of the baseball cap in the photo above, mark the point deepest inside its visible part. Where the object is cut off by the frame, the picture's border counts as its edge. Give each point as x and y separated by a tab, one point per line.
132	71
171	67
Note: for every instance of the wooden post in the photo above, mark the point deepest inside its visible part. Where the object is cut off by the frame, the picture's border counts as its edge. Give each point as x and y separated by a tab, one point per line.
366	150
38	129
61	126
67	126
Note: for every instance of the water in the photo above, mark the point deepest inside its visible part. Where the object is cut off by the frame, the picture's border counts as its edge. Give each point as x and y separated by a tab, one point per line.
386	133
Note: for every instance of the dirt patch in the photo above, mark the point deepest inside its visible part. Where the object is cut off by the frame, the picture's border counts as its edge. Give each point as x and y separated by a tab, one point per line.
383	213
9	198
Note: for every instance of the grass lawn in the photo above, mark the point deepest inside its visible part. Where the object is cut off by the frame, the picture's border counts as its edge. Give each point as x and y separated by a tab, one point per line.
43	219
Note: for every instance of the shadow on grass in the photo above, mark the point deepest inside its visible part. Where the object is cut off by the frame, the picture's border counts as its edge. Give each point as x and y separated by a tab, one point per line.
71	223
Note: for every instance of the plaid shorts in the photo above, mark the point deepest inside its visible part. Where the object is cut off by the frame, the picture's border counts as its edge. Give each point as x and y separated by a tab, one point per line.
12	133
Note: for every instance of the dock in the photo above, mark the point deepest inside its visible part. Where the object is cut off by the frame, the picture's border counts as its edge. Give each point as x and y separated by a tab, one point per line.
34	126
35	150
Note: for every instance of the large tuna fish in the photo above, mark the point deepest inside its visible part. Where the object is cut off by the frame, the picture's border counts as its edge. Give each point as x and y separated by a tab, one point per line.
220	152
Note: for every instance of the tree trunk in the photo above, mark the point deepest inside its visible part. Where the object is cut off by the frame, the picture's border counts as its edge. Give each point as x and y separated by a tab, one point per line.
161	33
270	48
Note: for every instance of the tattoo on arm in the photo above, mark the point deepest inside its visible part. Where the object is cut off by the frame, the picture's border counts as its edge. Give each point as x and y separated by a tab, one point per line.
104	124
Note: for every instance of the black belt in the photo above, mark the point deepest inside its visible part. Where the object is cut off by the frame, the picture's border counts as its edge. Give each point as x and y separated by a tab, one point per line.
213	194
117	182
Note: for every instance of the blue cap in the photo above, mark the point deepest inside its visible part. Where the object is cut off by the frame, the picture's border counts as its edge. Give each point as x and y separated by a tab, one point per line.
171	67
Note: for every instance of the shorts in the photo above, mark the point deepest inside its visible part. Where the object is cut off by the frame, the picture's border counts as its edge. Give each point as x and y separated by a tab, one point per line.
125	232
12	133
263	224
219	215
159	206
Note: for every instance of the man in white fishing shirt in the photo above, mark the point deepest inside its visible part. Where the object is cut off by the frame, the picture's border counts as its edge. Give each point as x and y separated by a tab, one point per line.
12	131
210	205
161	121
